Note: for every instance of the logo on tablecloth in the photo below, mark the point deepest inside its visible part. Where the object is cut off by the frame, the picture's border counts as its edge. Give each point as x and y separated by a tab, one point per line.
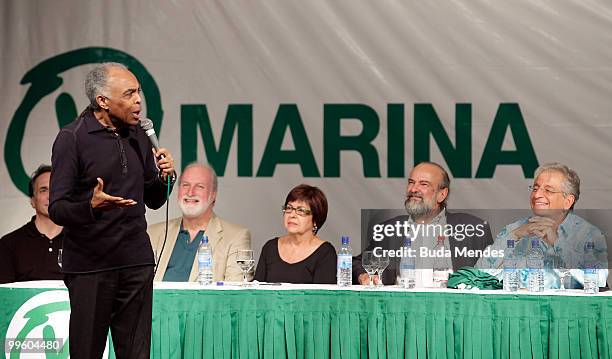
39	328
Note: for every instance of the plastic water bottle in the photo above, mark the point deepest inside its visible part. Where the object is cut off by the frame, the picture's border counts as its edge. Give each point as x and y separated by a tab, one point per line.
521	262
590	284
205	262
407	271
441	270
345	264
535	264
511	274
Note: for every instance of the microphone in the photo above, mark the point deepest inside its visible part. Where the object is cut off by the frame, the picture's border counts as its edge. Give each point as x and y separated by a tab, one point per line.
147	126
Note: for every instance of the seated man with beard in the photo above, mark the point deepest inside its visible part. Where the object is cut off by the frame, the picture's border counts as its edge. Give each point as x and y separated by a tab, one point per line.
196	199
426	194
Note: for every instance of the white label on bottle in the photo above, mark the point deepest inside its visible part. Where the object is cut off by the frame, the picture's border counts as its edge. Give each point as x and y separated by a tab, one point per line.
345	262
590	271
205	261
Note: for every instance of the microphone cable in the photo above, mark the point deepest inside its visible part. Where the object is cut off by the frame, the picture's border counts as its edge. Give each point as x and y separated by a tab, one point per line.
168	179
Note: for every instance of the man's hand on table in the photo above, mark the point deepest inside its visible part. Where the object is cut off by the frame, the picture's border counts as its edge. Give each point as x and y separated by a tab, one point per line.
364	279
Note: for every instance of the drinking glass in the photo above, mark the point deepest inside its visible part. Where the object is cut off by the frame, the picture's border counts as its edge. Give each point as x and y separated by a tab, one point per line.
564	272
246	262
368	261
382	264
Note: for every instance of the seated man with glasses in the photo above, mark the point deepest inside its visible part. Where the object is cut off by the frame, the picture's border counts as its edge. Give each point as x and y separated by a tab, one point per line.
300	256
561	233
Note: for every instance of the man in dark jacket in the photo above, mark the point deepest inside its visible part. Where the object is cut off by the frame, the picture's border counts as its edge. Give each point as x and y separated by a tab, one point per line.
104	173
426	195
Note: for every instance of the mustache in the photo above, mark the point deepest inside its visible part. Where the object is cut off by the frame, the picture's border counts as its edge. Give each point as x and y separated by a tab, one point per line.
191	197
414	194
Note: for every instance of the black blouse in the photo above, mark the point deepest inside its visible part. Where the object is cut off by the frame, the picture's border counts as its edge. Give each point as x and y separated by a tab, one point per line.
317	268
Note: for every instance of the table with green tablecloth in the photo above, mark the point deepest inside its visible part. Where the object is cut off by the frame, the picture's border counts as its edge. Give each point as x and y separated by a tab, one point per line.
301	321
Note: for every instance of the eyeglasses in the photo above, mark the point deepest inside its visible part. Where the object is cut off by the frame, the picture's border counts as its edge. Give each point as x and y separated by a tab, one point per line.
301	211
548	192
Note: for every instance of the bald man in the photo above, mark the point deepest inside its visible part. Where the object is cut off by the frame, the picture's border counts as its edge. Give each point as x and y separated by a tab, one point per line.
427	192
177	262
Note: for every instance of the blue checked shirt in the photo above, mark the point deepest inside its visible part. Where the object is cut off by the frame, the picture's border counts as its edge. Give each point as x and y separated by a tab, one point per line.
572	234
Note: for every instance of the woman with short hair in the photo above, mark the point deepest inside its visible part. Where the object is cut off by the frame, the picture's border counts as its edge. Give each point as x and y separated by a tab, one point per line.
300	256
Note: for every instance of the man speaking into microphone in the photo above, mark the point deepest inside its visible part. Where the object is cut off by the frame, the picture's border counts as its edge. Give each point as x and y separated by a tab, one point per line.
104	172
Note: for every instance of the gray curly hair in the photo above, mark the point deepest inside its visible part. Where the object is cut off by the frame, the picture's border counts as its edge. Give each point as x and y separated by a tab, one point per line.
95	82
571	184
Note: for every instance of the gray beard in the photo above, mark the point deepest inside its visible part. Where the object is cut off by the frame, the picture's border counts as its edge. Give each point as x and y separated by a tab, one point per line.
417	210
193	211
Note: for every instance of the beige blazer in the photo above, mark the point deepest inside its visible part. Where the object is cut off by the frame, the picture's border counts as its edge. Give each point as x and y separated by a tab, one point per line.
225	238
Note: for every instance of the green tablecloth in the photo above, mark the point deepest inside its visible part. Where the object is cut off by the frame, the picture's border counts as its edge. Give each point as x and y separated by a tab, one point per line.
367	324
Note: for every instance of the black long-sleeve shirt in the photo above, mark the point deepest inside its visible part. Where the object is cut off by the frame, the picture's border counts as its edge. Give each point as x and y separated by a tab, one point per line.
98	240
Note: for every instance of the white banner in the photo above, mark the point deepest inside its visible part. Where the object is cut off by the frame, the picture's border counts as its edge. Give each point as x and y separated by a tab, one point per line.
344	95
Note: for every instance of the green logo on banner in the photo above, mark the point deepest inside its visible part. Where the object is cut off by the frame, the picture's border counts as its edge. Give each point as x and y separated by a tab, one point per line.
44	78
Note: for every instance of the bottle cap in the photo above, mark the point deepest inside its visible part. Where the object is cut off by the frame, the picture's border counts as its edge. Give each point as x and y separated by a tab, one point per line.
345	240
510	243
407	241
204	239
